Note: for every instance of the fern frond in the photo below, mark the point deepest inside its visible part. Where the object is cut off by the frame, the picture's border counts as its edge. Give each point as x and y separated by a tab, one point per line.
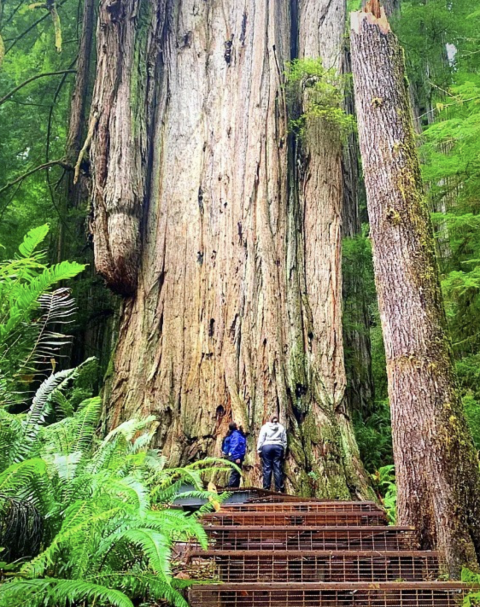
11	431
155	546
105	456
32	240
166	491
66	465
140	583
52	592
86	422
62	405
131	427
29	480
37	566
154	461
54	308
130	490
39	410
143	441
179	525
17	593
214	500
58	437
23	296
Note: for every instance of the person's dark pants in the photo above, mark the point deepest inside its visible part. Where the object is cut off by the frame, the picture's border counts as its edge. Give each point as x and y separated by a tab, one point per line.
272	459
235	476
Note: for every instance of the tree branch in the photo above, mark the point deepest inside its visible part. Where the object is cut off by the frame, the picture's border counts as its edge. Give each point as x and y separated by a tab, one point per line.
91	129
40	167
36	77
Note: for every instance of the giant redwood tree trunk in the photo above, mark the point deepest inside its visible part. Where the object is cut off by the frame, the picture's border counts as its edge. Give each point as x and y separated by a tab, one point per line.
229	258
436	465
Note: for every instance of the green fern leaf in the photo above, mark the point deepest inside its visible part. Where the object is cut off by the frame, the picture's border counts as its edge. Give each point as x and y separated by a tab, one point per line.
33	239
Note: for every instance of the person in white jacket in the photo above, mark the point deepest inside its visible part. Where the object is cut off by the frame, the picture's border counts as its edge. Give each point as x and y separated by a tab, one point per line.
272	445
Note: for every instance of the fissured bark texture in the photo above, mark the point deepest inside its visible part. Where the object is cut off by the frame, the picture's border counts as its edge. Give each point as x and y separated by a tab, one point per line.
436	464
234	280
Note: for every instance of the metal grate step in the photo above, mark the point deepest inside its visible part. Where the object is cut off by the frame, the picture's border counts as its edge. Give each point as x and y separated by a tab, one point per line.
276	551
310	538
294	518
303	506
304	566
413	594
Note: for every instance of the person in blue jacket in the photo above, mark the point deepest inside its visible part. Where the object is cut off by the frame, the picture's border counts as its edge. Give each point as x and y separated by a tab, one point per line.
234	447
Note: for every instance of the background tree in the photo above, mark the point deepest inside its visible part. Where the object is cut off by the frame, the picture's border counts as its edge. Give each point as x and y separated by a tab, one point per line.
41	134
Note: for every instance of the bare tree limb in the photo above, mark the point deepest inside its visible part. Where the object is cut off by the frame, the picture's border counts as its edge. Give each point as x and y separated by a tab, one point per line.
88	140
9	202
30	104
36	77
40	167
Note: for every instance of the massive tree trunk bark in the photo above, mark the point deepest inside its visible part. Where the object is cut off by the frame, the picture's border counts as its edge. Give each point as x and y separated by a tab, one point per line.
76	190
321	197
236	308
436	465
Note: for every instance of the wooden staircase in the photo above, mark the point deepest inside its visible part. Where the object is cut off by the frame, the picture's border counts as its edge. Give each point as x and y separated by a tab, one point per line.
278	551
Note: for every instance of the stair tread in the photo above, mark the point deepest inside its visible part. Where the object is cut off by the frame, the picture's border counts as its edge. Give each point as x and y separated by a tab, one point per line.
373	528
333	503
429	585
299	553
300	512
295	514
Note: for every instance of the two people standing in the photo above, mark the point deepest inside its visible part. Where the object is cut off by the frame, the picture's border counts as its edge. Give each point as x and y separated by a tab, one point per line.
271	446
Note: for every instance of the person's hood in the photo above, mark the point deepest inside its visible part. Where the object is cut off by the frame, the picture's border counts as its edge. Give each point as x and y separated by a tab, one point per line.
273	425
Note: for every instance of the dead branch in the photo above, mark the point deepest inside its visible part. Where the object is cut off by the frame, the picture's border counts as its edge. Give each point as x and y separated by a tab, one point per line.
36	77
40	167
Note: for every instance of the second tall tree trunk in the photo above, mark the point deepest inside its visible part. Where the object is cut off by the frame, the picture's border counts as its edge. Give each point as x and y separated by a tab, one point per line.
436	464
